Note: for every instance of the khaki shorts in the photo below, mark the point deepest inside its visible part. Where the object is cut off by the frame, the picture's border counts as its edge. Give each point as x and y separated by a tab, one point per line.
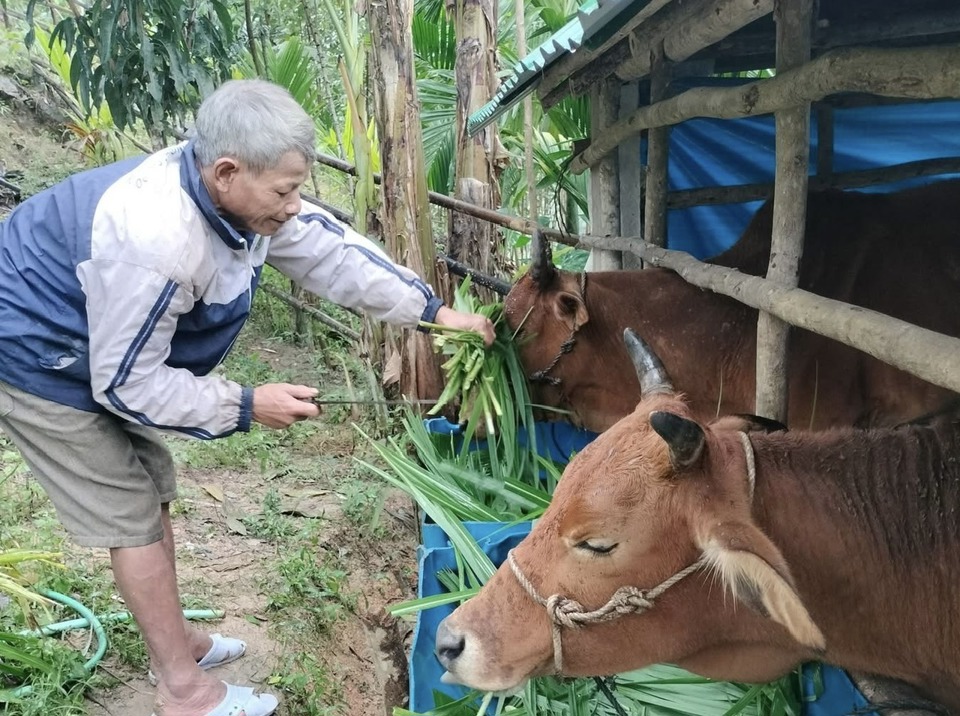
106	477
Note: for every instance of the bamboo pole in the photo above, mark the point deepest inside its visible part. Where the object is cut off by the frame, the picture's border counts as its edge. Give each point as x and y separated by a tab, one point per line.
918	73
658	138
312	311
841	180
524	226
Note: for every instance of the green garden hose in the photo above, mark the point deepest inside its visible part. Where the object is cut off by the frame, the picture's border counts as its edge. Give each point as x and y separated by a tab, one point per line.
89	620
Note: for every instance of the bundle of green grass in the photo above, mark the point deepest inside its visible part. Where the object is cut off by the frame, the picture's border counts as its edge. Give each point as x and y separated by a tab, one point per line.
457	478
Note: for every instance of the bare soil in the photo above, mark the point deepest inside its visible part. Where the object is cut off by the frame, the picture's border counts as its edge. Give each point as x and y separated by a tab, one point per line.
364	653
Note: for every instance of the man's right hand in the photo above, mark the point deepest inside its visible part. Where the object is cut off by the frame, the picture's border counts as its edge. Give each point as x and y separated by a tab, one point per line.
280	405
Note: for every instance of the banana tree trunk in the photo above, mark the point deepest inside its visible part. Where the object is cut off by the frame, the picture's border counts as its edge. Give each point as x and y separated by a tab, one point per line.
480	159
405	211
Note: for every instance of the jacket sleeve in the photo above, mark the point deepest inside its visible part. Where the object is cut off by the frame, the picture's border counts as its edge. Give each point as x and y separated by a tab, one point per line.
132	313
335	262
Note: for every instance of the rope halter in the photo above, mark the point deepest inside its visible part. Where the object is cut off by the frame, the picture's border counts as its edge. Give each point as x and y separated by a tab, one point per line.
565	612
543	375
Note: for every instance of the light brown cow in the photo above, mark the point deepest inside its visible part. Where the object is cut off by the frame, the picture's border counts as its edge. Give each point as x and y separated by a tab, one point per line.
898	254
842	545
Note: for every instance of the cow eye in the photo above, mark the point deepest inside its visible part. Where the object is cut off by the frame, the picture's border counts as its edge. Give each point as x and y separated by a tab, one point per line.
596	548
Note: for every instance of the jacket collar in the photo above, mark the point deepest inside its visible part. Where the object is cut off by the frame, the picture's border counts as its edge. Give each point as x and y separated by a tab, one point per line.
192	183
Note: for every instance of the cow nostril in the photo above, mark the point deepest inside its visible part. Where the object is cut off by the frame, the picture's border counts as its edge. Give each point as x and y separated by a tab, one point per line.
449	645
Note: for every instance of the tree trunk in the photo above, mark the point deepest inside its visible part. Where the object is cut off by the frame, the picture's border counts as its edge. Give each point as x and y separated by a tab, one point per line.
251	40
479	159
404	212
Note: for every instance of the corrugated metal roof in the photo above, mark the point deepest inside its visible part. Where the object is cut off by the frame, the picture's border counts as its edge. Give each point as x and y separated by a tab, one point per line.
592	25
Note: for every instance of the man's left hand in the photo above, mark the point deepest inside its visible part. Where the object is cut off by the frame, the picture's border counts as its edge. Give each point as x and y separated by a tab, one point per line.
468	322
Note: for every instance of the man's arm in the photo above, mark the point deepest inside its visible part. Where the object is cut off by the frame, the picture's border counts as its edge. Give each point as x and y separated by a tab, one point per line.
335	262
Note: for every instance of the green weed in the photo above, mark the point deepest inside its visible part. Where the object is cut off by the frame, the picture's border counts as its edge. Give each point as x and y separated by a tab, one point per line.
306	686
363	506
310	589
270	525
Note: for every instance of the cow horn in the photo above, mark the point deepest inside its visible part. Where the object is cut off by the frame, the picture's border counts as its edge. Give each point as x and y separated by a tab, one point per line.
542	269
653	376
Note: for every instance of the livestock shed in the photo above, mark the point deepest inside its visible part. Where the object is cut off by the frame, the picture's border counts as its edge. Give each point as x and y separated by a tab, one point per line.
869	81
700	109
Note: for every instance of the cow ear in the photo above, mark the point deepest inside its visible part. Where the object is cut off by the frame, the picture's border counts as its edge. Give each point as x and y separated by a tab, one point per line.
754	571
683	436
570	310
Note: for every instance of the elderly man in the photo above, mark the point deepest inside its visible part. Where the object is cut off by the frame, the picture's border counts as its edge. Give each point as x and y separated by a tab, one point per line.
120	290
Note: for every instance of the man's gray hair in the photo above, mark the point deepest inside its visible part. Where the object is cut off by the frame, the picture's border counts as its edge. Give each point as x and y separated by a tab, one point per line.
255	122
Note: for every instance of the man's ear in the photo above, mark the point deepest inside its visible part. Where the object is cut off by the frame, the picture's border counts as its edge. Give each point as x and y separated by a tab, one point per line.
570	309
755	573
225	170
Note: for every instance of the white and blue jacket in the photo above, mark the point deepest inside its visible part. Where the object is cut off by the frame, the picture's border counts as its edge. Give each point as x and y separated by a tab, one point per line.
121	288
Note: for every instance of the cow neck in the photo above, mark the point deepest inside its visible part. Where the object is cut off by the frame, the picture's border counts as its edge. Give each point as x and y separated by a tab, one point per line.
565	612
543	375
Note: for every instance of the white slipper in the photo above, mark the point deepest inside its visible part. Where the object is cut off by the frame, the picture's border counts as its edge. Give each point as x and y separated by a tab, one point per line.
244	701
223	650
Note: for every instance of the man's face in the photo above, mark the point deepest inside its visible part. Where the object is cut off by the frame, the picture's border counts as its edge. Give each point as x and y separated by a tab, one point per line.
263	202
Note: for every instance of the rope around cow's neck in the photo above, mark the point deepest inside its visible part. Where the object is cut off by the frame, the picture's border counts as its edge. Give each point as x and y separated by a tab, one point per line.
566	612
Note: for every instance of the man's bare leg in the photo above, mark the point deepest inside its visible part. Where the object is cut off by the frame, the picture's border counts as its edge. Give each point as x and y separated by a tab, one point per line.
198	639
147	581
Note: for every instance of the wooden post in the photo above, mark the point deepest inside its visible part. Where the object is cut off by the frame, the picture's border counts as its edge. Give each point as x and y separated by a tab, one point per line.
655	208
793	18
631	176
604	194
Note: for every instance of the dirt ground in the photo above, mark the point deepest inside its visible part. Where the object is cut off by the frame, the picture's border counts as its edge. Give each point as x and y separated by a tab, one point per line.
364	655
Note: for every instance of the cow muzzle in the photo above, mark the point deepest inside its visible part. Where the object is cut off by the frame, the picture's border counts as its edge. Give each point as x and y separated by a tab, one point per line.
462	655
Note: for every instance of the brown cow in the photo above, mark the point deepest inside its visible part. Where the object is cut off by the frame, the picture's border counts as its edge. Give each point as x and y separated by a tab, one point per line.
842	545
898	254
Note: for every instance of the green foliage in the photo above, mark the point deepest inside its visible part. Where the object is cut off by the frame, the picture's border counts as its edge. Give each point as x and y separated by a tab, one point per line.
271	524
52	673
363	506
310	587
95	134
289	65
151	60
306	686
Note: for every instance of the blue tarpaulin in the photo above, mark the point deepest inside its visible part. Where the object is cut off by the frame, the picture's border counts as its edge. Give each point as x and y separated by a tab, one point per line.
730	152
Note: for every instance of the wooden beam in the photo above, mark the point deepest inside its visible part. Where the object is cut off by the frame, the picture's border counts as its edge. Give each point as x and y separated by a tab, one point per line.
523	226
694	28
713	195
752	47
793	18
918	73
